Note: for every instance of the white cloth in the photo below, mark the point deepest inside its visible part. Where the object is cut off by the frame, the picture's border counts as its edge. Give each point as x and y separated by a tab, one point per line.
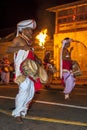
69	81
63	44
26	88
21	56
25	95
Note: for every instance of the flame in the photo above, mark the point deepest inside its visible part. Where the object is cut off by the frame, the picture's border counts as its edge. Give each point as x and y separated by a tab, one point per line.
42	37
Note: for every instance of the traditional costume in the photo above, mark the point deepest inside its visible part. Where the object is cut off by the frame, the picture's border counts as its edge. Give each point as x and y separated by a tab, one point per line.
27	86
66	71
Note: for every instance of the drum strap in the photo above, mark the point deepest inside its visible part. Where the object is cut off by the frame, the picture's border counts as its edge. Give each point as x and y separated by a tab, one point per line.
67	77
31	78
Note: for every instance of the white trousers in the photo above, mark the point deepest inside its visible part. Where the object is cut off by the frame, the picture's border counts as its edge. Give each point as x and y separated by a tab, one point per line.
69	82
25	95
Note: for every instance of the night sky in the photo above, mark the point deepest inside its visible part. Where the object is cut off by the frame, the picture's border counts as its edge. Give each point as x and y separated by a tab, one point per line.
13	11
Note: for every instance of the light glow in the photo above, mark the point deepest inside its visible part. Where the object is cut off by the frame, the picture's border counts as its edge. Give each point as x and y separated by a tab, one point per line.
42	37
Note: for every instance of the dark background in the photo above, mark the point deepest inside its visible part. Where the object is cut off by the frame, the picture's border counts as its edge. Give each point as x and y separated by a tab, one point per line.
14	11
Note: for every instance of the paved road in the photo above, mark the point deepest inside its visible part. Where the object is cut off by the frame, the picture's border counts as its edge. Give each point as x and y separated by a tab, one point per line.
49	112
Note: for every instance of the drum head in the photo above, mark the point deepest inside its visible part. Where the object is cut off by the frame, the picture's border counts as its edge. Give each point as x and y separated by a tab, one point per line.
43	75
29	67
32	65
76	68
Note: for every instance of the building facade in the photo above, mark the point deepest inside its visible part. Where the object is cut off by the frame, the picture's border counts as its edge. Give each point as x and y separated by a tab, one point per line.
71	21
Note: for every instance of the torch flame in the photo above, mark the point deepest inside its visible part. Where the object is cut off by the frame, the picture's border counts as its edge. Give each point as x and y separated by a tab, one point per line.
42	37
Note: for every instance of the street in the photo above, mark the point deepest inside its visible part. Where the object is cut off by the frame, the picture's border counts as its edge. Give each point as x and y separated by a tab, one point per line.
49	110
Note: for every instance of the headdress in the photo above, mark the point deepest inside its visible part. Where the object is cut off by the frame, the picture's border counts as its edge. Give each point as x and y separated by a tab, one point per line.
26	24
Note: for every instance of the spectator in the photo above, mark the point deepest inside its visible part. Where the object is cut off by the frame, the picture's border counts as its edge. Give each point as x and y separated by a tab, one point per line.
5	73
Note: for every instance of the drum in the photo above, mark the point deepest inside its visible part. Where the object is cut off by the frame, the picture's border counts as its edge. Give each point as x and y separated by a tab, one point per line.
34	70
29	68
42	75
76	68
51	68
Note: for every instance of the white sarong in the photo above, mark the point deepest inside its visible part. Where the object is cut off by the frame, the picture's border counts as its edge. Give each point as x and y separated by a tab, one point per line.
69	81
26	88
25	95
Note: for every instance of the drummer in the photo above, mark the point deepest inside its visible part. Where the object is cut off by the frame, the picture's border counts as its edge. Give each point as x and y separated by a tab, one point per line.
22	45
66	74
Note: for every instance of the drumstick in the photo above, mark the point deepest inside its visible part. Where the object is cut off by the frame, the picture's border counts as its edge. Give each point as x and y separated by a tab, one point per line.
80	42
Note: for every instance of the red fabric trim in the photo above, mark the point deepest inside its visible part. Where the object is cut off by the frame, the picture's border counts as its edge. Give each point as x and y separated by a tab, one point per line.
67	64
37	83
31	55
